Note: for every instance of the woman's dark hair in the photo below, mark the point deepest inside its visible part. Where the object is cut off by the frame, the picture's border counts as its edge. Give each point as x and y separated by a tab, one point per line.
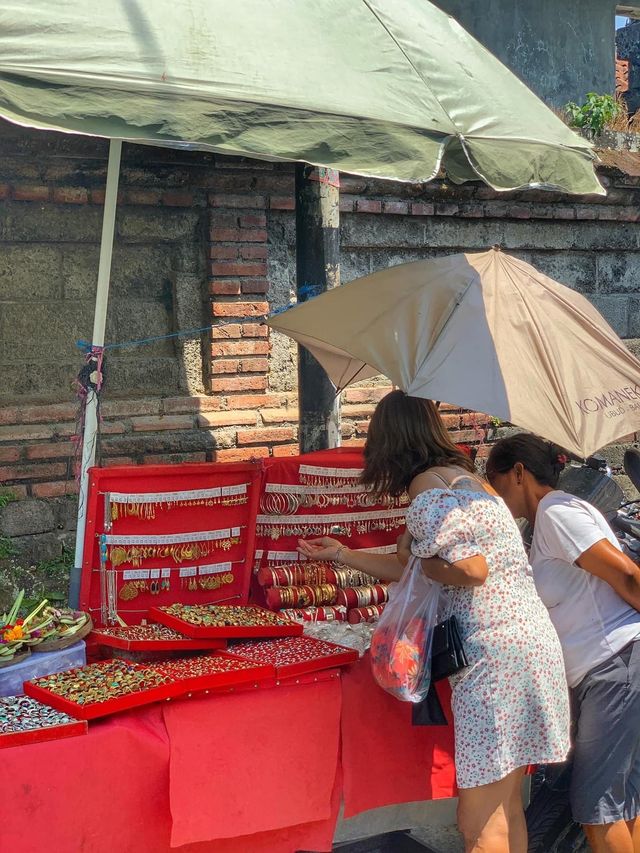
406	437
543	459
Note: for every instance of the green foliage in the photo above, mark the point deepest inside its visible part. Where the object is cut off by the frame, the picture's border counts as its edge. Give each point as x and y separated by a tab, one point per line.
596	112
7	548
57	599
59	566
7	497
495	422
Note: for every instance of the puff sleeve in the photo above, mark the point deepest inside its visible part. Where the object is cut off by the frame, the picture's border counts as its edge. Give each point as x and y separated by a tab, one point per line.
440	527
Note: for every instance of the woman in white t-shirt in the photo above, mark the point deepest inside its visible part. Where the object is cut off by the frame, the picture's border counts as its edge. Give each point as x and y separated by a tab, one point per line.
592	591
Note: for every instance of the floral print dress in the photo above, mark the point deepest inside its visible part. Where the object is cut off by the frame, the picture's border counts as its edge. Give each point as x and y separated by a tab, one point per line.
510	705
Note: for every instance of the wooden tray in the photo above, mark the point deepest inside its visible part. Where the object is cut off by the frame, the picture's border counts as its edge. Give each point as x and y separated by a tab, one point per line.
17	658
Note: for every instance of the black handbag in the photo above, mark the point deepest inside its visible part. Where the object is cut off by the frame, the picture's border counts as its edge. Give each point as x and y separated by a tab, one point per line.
447	651
447	657
428	712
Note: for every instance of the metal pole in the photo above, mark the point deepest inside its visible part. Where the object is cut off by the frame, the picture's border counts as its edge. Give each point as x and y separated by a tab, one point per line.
99	322
317	270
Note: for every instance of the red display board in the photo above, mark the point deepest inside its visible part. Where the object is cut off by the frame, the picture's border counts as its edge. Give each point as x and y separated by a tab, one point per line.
327	485
191	534
164	533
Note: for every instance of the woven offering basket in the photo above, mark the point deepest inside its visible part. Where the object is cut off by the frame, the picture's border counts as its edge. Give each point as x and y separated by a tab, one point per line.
17	658
57	645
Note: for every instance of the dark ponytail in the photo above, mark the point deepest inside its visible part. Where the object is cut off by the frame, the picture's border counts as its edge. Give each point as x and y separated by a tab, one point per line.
543	459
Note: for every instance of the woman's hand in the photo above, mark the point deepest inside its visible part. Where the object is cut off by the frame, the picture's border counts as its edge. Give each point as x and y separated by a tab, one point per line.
404	547
324	548
385	567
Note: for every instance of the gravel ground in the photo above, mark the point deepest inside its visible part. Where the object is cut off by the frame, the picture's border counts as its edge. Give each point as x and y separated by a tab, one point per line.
440	839
435	819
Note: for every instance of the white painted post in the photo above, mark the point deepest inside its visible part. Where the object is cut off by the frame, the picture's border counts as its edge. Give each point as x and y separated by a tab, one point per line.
99	323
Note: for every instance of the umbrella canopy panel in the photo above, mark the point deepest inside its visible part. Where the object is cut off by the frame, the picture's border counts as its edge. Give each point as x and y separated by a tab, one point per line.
388	88
484	331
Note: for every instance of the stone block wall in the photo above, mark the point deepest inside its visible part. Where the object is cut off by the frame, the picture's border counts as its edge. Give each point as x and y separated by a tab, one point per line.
561	49
51	202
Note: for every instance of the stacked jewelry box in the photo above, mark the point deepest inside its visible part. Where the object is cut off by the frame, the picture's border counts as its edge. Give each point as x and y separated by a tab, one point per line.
312	496
190	534
169	533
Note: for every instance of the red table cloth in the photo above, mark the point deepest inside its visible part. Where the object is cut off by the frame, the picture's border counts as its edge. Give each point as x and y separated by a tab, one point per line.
270	756
193	772
385	759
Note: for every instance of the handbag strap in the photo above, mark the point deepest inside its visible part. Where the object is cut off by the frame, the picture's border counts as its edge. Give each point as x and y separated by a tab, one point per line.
440	472
476	480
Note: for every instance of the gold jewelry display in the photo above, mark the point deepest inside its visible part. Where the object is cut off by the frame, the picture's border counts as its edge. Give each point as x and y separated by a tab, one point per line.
147	511
280	499
277	530
215	581
135	554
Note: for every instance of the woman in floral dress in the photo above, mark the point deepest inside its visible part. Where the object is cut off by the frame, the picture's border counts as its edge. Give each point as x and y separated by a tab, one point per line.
510	705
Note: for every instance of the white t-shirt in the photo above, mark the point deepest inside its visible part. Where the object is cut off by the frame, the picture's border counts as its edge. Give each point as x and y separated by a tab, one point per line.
591	619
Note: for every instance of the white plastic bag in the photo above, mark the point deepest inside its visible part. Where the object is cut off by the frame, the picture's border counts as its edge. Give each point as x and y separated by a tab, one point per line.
401	642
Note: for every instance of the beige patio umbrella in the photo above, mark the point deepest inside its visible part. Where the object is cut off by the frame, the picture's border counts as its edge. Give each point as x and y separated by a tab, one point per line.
483	331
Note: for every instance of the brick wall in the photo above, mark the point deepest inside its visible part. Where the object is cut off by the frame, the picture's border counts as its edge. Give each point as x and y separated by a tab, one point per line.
622	76
37	454
51	198
210	240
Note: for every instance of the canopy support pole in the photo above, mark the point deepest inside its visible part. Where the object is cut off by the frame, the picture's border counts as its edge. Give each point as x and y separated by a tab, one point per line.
97	340
317	270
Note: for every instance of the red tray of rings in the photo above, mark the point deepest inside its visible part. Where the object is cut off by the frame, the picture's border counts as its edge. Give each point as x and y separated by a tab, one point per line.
151	638
224	621
214	672
292	656
24	720
100	689
132	685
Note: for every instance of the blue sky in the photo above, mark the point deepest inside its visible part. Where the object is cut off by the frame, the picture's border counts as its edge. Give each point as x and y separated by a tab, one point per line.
620	22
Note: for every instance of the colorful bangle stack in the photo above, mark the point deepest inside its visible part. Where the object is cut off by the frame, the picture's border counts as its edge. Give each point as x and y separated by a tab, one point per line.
301	596
363	596
310	574
316	614
365	614
322	500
